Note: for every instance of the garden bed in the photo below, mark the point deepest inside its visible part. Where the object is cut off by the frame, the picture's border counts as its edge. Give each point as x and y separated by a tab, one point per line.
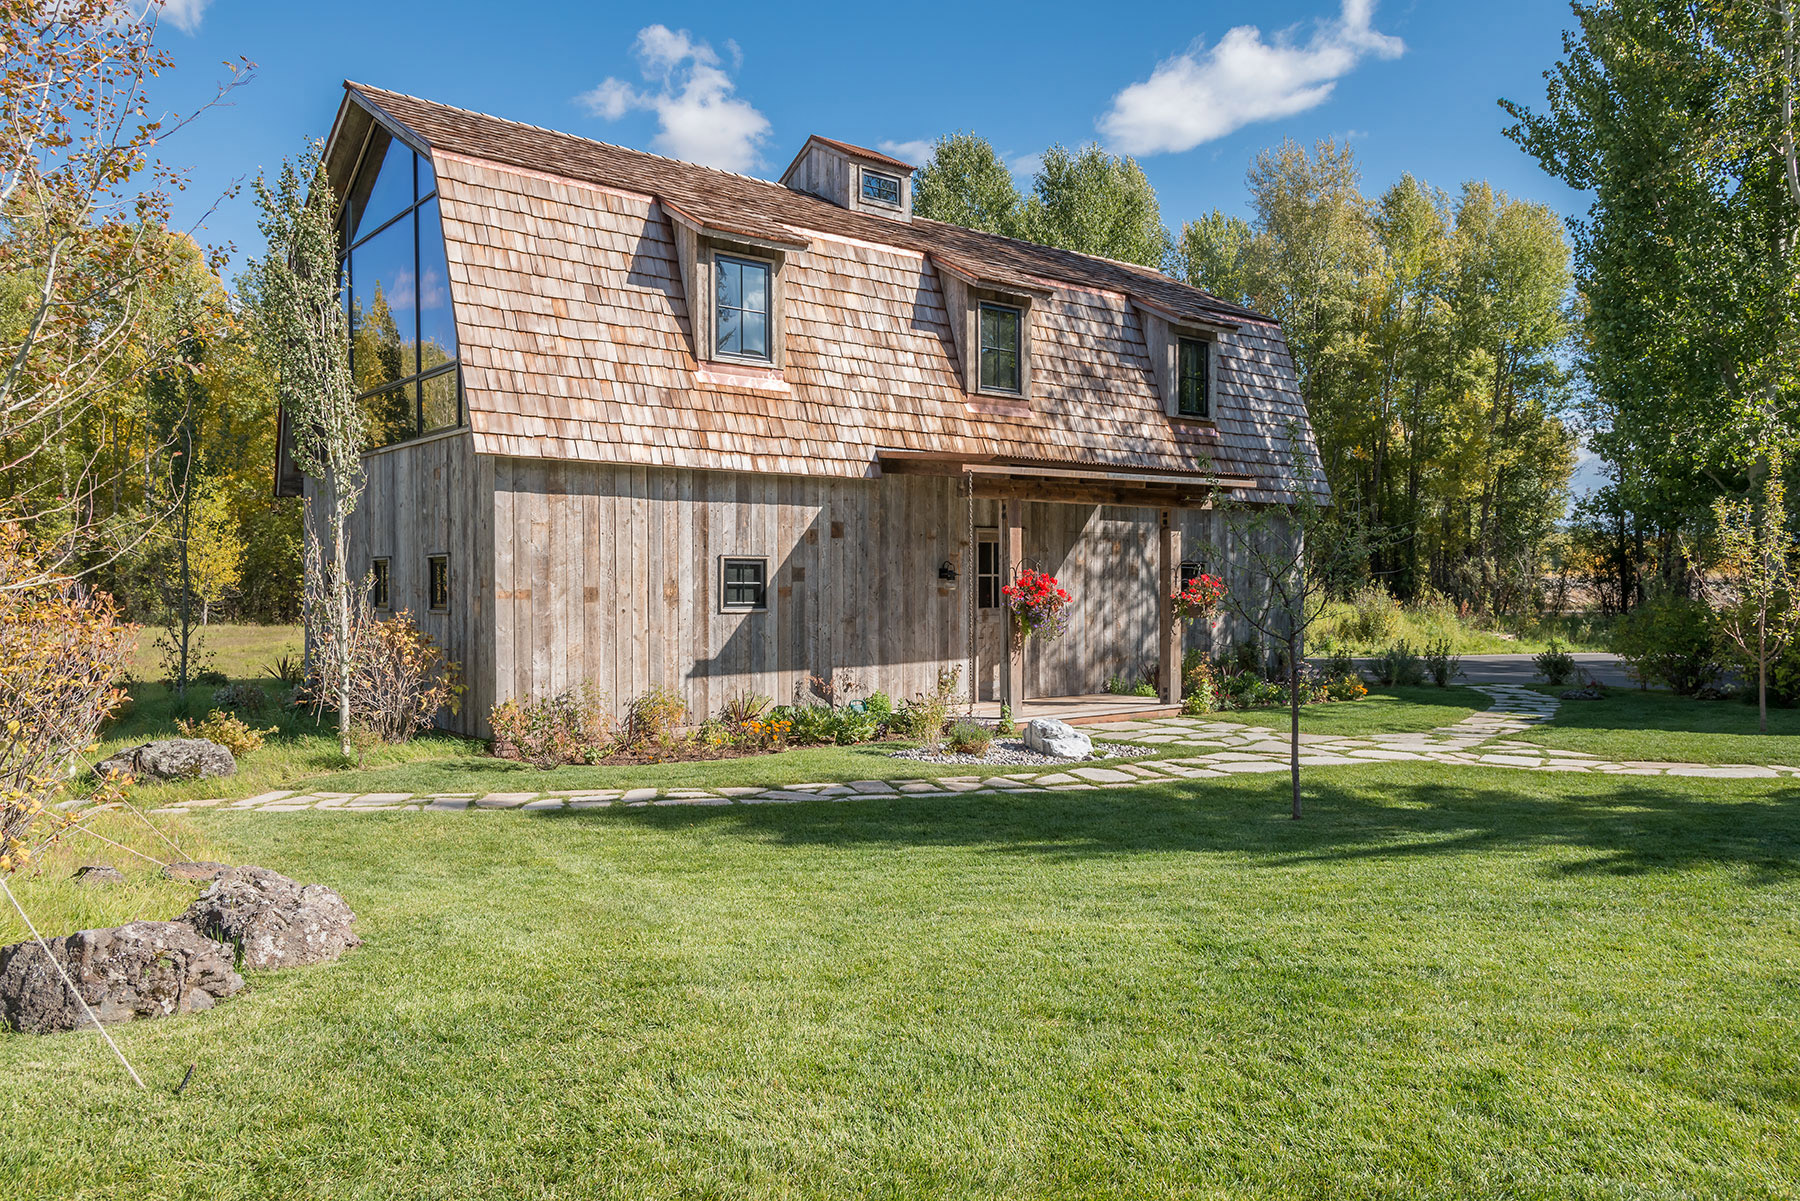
1012	752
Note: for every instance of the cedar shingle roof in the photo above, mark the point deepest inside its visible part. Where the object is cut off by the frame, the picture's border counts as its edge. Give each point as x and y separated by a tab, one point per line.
573	325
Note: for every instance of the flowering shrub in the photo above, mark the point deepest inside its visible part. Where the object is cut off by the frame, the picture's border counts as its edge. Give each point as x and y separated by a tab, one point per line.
1038	604
1199	598
653	720
571	727
767	734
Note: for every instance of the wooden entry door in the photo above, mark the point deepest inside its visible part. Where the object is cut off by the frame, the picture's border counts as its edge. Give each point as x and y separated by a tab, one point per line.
989	616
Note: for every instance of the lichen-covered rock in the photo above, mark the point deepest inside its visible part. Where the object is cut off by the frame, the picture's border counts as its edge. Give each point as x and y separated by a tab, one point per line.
194	871
1059	738
171	759
275	921
142	969
98	875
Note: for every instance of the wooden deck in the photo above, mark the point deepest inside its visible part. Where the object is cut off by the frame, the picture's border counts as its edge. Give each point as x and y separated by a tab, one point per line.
1084	710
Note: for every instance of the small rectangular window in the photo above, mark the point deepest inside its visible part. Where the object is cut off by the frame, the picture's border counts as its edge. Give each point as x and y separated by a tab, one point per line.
1190	571
987	569
742	317
378	583
1191	399
999	348
744	583
882	189
440	583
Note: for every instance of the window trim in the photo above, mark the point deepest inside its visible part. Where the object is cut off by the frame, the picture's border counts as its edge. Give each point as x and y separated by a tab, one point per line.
381	588
769	300
1208	347
431	562
725	562
864	174
1019	313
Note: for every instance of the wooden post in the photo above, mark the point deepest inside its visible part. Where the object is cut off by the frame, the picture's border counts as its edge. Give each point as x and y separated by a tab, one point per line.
1012	550
1168	630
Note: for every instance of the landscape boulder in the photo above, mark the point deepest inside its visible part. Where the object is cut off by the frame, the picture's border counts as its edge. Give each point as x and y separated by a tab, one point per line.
142	969
1058	738
171	759
98	875
275	921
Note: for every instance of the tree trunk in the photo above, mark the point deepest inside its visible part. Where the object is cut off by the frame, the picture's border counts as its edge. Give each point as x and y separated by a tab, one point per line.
340	564
1294	719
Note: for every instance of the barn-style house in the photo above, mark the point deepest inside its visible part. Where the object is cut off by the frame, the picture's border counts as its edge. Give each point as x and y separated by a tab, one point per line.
646	423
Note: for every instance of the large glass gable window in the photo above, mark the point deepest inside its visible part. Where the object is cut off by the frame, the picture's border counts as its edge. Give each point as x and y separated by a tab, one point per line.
743	313
397	296
999	348
1191	399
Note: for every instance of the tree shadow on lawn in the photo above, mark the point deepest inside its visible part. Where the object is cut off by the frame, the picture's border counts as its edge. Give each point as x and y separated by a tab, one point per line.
1625	827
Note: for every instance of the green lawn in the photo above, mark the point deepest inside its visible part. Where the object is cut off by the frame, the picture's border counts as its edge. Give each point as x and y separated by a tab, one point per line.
1383	711
1633	724
1469	984
240	651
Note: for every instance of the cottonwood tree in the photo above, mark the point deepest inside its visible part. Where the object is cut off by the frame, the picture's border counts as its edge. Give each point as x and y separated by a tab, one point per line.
1679	120
965	183
304	331
1284	563
84	248
1093	202
1756	582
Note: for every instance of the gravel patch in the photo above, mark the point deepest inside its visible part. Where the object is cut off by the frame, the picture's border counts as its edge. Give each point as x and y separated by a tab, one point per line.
1014	753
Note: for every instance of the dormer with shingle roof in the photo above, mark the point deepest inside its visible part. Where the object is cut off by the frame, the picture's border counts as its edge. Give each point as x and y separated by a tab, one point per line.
852	177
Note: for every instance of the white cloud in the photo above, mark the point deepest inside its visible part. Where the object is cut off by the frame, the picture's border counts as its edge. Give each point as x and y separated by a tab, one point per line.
916	152
1203	94
1024	166
185	14
691	95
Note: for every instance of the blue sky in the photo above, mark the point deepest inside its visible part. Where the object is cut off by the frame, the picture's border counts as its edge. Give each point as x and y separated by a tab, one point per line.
1412	85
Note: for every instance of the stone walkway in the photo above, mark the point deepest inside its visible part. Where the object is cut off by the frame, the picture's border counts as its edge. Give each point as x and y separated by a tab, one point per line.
1200	748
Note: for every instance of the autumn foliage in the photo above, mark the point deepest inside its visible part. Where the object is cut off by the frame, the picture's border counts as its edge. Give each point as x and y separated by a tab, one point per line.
62	652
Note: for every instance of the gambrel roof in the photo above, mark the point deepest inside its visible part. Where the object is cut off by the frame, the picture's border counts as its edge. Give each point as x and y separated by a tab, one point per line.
571	321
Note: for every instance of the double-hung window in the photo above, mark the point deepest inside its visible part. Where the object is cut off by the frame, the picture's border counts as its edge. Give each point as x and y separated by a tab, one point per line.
1191	395
742	307
1000	329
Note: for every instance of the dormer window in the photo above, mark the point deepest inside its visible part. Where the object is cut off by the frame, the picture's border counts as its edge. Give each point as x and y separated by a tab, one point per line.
743	307
999	348
880	188
1193	397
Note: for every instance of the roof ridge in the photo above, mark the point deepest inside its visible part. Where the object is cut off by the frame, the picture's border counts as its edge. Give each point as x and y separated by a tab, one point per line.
1205	297
558	133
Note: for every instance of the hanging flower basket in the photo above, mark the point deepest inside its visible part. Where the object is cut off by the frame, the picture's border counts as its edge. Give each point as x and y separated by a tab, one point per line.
1199	598
1038	604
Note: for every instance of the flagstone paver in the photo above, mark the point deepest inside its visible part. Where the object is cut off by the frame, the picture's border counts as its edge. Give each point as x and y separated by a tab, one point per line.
1199	749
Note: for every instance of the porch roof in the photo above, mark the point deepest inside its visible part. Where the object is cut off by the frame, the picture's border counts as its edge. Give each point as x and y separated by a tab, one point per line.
1069	482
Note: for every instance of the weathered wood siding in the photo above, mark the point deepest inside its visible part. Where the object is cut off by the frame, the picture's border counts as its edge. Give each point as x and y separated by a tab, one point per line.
425	498
610	574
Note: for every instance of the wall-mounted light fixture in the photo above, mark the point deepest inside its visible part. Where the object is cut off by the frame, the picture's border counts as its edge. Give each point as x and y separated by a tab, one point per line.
947	573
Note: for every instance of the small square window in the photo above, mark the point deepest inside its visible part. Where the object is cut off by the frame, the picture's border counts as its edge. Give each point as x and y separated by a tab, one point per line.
882	189
999	348
378	583
440	583
1191	398
743	584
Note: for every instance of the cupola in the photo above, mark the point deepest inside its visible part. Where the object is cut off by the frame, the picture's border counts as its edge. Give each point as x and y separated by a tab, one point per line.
852	177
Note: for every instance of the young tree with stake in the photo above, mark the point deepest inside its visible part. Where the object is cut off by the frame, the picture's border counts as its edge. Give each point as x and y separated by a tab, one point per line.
301	313
1288	558
1753	589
